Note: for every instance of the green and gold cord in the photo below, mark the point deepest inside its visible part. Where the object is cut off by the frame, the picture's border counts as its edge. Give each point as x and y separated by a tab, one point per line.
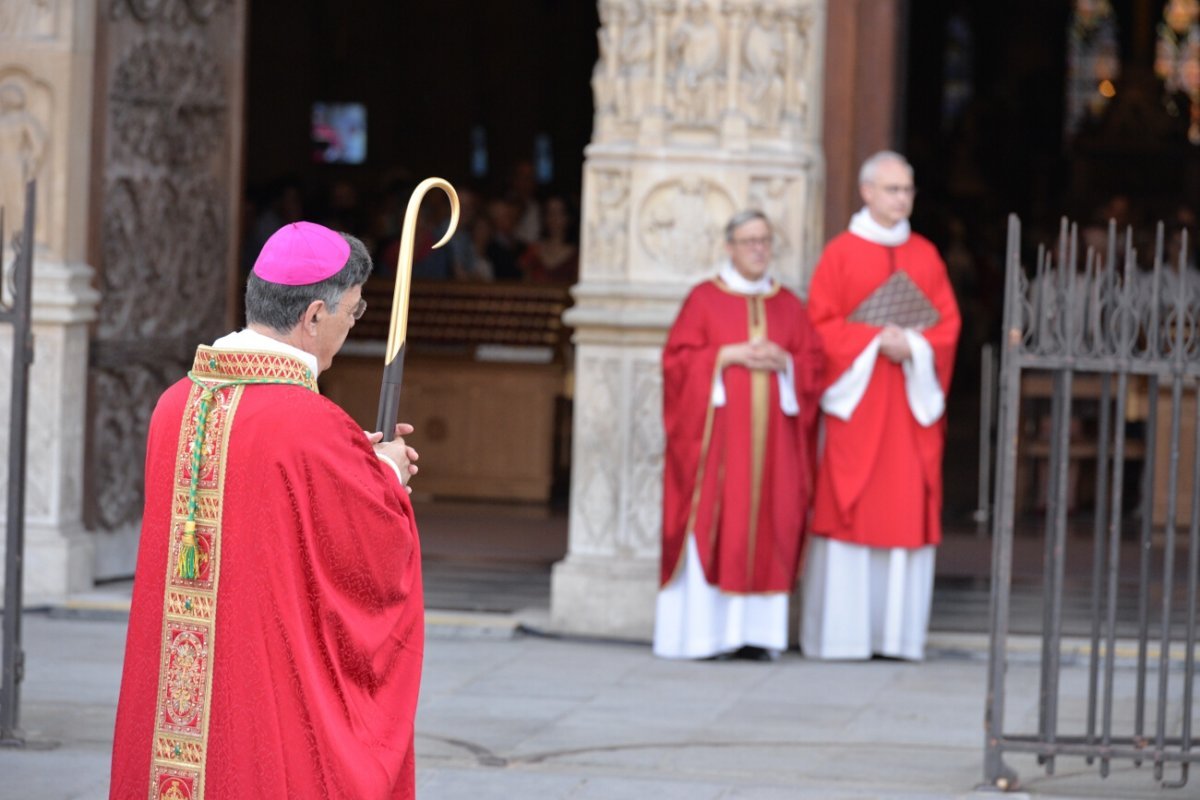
186	568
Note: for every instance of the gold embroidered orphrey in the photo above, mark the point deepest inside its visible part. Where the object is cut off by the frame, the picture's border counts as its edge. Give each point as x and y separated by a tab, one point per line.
190	604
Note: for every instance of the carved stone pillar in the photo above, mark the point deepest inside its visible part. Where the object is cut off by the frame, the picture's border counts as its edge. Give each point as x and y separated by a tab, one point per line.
46	68
653	213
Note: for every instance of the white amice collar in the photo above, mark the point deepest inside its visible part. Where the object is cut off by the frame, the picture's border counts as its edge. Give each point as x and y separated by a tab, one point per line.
735	281
864	227
247	339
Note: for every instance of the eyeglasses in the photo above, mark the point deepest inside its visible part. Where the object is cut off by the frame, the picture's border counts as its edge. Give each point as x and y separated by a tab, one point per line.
895	189
757	241
356	312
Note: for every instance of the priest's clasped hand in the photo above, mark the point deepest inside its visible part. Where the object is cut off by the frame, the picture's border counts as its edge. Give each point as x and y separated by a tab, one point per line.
398	452
755	354
894	344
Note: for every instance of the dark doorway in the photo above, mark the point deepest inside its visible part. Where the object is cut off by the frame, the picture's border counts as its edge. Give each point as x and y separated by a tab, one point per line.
458	89
990	131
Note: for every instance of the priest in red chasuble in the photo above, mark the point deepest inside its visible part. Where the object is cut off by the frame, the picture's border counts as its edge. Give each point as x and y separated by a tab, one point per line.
882	301
742	373
277	630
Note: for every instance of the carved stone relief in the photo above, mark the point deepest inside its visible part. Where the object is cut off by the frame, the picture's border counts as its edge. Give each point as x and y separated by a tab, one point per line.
165	224
605	72
608	222
770	195
680	224
25	122
697	62
635	60
764	68
159	233
29	19
179	13
123	402
597	477
168	103
644	506
696	53
798	23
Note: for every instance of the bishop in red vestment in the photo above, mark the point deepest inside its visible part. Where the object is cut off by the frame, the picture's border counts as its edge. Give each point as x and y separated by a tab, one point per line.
877	512
277	626
741	377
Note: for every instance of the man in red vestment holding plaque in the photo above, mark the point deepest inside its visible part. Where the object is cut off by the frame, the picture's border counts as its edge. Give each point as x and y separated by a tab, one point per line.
882	301
741	375
277	629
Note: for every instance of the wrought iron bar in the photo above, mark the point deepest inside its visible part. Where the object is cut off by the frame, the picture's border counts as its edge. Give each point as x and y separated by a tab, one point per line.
1104	429
995	772
20	315
1168	575
987	419
1147	546
1126	326
1189	664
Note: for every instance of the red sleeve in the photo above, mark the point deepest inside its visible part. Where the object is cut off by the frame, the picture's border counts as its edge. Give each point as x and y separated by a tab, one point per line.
808	360
689	362
942	337
829	304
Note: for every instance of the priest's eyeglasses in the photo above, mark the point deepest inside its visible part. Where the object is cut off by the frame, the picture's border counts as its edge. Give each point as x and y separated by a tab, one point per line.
753	241
356	312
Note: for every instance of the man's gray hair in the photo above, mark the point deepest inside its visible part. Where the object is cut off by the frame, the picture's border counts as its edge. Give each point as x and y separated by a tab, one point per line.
280	307
866	173
741	218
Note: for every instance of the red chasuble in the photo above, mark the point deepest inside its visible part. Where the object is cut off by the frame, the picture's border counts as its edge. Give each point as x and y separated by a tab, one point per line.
288	664
738	476
880	481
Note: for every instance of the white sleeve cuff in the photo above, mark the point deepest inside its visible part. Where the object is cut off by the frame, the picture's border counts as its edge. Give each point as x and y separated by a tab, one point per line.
392	464
718	390
788	403
926	399
844	395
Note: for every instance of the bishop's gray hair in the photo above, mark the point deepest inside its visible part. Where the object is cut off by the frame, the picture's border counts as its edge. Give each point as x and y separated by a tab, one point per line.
280	307
866	173
741	218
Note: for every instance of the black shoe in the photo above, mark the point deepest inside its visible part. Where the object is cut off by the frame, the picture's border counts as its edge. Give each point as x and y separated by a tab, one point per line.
752	653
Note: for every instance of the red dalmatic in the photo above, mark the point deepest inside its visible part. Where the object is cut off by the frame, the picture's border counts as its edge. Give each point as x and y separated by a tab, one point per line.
880	481
287	662
738	476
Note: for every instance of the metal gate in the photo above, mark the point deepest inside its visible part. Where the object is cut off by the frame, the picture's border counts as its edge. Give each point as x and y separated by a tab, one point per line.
1127	325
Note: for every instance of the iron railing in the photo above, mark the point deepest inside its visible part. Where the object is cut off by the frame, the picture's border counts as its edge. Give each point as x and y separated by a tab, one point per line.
1097	316
16	311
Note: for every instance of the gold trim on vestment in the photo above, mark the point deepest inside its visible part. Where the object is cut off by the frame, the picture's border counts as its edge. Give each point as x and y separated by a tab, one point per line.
184	698
705	442
760	398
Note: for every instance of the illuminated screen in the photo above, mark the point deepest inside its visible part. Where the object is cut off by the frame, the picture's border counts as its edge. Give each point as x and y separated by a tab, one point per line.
339	133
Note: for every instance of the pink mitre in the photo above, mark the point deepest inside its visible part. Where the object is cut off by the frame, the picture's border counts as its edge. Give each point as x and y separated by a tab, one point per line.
301	253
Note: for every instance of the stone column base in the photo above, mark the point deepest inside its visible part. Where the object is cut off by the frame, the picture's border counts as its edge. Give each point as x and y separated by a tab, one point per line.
58	562
604	596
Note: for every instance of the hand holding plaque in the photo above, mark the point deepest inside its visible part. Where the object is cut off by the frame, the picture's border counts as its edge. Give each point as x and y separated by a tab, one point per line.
897	301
